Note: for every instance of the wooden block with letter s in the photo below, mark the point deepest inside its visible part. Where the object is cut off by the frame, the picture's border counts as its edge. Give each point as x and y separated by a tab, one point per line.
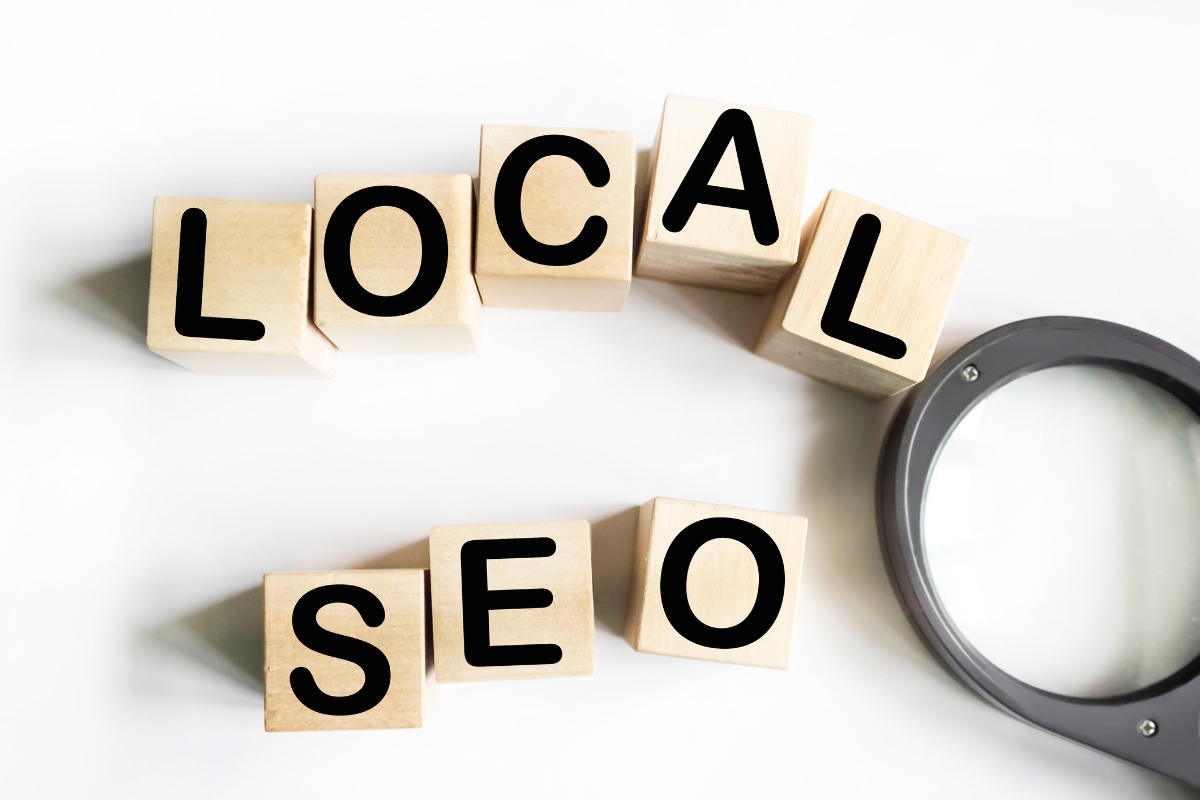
725	195
229	288
392	267
555	224
346	650
866	303
512	601
715	583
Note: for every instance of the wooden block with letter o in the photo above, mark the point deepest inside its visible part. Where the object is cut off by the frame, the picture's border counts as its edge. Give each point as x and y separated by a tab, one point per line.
392	268
865	305
229	288
725	195
555	226
715	583
346	650
512	601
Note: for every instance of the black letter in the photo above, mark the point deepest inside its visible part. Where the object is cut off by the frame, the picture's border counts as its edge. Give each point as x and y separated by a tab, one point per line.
511	180
673	583
189	289
733	125
835	321
367	656
434	251
478	600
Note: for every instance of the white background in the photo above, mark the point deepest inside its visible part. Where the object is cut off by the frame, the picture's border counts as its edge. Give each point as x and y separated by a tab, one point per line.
142	503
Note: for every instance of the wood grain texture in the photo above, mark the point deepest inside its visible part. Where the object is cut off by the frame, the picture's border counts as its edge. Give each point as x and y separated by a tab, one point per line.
401	637
722	582
556	202
906	293
717	247
567	622
256	266
385	251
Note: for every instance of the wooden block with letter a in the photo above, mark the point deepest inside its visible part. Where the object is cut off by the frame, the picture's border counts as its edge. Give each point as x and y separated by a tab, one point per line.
229	288
866	303
725	195
512	601
715	583
392	268
555	226
346	650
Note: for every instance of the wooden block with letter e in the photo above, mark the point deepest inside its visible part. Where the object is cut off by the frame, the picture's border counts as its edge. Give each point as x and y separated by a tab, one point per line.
555	226
512	601
725	195
866	303
229	288
392	267
346	650
715	583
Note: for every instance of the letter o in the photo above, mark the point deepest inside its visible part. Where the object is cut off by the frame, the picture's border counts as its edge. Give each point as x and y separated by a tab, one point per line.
435	251
771	581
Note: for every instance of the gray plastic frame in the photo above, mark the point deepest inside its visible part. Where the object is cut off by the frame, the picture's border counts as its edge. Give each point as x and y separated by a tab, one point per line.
923	422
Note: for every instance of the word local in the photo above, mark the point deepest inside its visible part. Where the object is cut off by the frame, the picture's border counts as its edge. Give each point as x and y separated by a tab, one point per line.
347	649
386	260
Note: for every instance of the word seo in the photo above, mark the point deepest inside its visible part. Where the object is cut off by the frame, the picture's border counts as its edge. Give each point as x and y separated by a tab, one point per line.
347	650
403	263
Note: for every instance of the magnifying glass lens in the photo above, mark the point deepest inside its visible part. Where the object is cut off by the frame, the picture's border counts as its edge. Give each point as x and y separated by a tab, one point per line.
1062	531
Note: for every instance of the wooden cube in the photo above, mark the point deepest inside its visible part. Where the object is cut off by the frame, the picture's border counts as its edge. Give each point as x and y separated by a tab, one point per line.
512	601
865	306
725	195
229	288
715	583
555	226
346	650
392	267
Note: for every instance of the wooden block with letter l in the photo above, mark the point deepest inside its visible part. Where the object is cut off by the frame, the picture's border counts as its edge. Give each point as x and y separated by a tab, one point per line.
555	225
725	195
346	650
866	303
229	288
512	601
715	583
392	267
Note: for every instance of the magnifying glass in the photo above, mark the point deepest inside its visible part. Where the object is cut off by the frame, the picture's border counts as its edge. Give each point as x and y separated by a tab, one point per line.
1039	512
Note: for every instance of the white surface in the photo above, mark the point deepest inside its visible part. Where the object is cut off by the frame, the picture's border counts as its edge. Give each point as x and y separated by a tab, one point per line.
1062	528
138	498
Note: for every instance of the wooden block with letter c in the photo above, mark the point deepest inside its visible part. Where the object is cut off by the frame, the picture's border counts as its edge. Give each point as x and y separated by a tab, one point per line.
346	650
555	224
865	305
512	601
229	288
715	583
725	195
392	267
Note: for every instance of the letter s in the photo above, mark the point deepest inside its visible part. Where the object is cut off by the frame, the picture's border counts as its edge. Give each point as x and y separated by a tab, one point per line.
367	656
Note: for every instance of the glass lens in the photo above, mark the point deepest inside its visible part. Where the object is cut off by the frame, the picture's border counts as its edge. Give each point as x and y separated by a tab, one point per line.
1062	531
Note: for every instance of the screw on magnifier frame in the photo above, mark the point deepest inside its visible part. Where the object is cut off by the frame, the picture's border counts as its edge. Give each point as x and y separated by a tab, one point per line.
969	373
1147	728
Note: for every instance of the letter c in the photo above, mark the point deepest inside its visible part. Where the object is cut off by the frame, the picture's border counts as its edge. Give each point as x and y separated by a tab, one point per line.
511	180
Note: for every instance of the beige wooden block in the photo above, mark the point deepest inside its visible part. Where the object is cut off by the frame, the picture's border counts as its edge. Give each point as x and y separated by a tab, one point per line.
229	288
725	195
555	226
867	301
401	262
715	583
346	650
512	601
